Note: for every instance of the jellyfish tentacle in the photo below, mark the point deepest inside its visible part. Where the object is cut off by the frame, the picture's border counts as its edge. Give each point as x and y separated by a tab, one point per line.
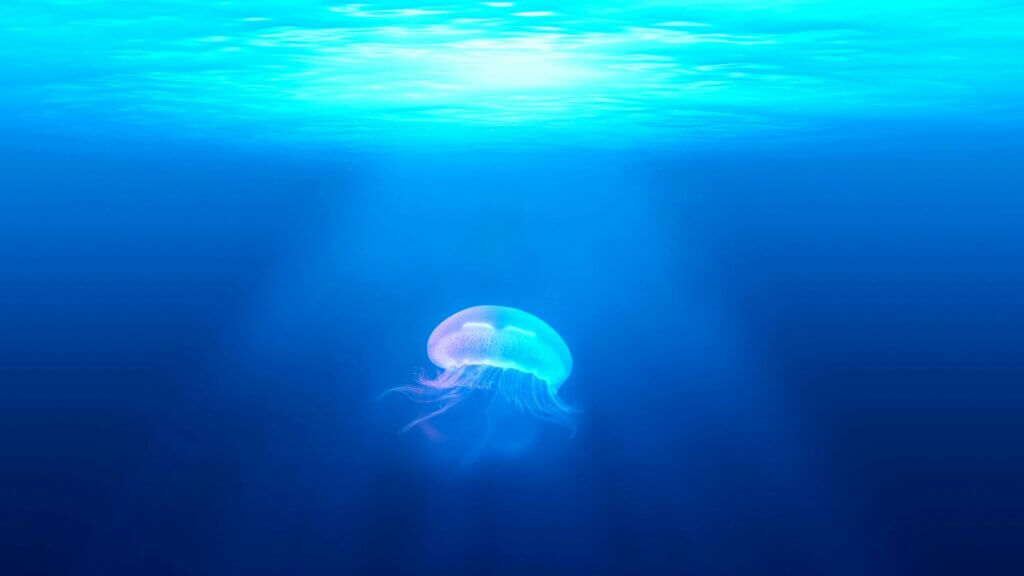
448	400
417	394
443	390
532	395
426	390
449	378
521	390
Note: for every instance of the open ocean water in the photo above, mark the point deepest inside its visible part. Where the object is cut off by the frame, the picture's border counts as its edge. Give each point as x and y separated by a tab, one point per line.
783	241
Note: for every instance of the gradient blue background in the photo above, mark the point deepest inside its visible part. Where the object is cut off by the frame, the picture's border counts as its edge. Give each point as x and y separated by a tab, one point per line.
801	360
793	297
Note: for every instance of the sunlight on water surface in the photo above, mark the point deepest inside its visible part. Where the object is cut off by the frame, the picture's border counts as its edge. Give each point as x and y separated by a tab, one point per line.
386	72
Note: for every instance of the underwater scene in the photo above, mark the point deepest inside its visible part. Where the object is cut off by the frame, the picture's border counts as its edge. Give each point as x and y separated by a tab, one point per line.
511	287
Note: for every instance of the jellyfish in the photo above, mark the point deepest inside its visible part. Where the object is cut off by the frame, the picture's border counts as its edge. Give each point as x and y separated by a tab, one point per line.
507	353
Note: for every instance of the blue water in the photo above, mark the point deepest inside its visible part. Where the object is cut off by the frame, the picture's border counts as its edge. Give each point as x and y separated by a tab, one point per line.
782	240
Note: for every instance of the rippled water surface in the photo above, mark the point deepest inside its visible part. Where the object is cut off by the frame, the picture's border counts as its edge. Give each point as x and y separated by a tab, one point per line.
666	71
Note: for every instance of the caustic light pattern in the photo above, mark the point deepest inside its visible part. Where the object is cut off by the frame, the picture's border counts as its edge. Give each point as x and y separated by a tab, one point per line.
505	352
385	73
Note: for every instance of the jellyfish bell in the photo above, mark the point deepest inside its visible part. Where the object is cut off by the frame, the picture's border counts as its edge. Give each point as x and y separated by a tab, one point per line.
509	354
501	337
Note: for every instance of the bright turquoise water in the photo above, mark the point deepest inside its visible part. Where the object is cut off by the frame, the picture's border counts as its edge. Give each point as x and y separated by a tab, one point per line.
385	73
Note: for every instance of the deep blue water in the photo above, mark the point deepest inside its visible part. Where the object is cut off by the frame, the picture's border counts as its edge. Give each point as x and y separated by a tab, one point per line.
801	360
785	245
